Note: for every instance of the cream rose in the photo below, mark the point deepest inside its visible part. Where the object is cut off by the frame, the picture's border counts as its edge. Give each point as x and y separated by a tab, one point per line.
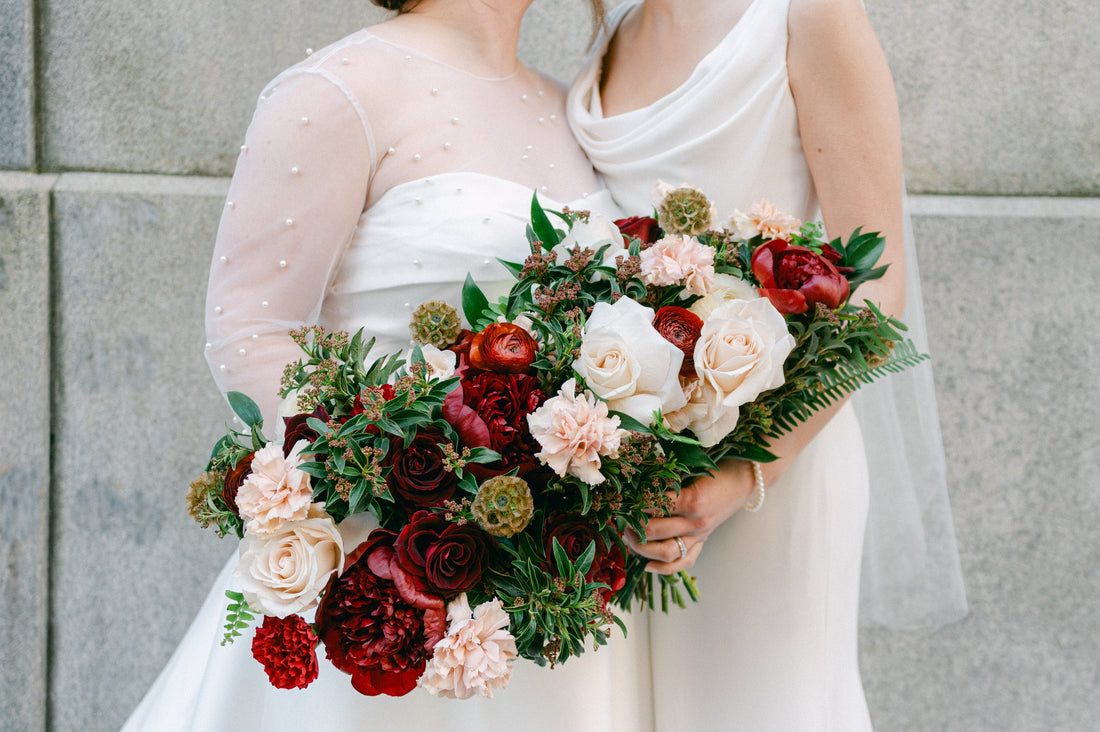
276	490
441	364
627	363
739	355
724	288
283	572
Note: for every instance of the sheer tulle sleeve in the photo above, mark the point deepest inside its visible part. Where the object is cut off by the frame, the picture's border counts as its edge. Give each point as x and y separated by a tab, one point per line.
294	201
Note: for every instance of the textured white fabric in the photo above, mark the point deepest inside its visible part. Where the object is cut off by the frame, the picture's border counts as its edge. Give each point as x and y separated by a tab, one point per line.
772	645
372	235
731	129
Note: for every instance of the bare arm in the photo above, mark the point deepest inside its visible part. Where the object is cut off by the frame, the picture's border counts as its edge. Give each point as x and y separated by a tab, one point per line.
848	120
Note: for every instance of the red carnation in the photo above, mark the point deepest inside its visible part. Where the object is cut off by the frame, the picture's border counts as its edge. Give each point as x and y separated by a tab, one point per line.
639	227
794	278
375	625
287	648
504	348
681	328
441	556
417	477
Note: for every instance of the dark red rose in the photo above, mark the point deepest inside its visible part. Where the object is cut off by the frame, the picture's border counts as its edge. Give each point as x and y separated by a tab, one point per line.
681	328
504	348
462	346
417	478
233	480
386	391
490	410
297	429
375	625
575	532
795	278
639	227
287	648
442	557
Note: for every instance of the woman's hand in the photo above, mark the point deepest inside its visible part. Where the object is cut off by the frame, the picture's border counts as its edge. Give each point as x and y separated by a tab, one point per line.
697	511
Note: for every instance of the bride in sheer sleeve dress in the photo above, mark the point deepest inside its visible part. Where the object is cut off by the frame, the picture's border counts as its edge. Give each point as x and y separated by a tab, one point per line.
374	175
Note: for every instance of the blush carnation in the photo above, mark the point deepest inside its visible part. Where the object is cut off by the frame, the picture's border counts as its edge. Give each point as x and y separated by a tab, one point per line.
679	260
765	220
287	648
276	490
475	657
574	431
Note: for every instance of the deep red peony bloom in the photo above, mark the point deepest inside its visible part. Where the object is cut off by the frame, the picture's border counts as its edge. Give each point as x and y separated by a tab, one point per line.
681	328
639	227
287	648
375	625
417	478
795	278
490	410
297	429
575	532
504	348
233	480
442	557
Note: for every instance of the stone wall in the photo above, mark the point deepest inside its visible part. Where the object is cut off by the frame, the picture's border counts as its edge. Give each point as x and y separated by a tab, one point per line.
119	123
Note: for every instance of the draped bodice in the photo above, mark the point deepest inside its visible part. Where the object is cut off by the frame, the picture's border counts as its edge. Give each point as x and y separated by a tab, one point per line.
736	104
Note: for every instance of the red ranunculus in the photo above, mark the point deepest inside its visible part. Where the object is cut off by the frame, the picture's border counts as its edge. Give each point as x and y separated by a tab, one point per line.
233	480
490	410
575	532
639	227
504	348
442	557
287	648
375	625
681	328
795	278
297	429
417	478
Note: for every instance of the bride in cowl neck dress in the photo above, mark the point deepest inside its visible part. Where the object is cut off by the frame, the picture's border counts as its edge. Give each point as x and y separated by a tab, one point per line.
792	101
374	175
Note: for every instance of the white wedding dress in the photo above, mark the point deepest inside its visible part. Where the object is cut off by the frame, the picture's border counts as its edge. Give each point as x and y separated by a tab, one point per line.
772	643
305	238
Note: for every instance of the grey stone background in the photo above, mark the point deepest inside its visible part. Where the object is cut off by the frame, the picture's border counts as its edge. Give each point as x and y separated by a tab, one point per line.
119	123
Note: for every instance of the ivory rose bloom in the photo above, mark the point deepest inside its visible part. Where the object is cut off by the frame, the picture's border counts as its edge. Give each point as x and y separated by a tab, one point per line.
679	260
441	364
725	288
574	431
276	490
593	234
283	572
763	219
739	355
475	657
627	363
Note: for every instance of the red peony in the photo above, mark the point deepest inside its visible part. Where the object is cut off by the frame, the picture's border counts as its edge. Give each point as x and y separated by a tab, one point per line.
233	480
795	278
575	532
639	227
417	477
681	328
504	348
287	648
297	429
490	410
375	625
440	556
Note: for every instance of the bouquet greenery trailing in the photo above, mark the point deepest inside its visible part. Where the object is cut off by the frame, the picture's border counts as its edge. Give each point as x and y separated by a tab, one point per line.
500	464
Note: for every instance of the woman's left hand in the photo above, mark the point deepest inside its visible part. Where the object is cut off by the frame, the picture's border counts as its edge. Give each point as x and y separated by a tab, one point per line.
697	511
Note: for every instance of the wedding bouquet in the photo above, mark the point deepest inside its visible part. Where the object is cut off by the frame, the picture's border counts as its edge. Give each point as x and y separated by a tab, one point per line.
501	463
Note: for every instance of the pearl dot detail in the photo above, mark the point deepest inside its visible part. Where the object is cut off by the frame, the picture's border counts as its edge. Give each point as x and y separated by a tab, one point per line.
230	204
223	259
391	151
264	304
416	158
255	336
309	51
221	367
305	120
282	263
242	352
217	309
345	61
294	170
209	346
756	502
454	120
435	92
289	222
244	148
446	146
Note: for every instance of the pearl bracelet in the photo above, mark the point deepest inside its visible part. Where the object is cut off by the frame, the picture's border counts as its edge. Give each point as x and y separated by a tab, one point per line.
755	503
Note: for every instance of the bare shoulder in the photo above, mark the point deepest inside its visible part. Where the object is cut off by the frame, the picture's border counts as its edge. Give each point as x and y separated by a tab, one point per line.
826	21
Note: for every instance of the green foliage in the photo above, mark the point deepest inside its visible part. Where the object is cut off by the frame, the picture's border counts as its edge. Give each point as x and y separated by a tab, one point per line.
238	616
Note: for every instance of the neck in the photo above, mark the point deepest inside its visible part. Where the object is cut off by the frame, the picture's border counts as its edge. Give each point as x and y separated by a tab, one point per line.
483	33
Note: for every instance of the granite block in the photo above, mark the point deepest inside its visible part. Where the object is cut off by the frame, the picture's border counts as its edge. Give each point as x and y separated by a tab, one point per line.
1014	324
137	415
24	471
17	85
